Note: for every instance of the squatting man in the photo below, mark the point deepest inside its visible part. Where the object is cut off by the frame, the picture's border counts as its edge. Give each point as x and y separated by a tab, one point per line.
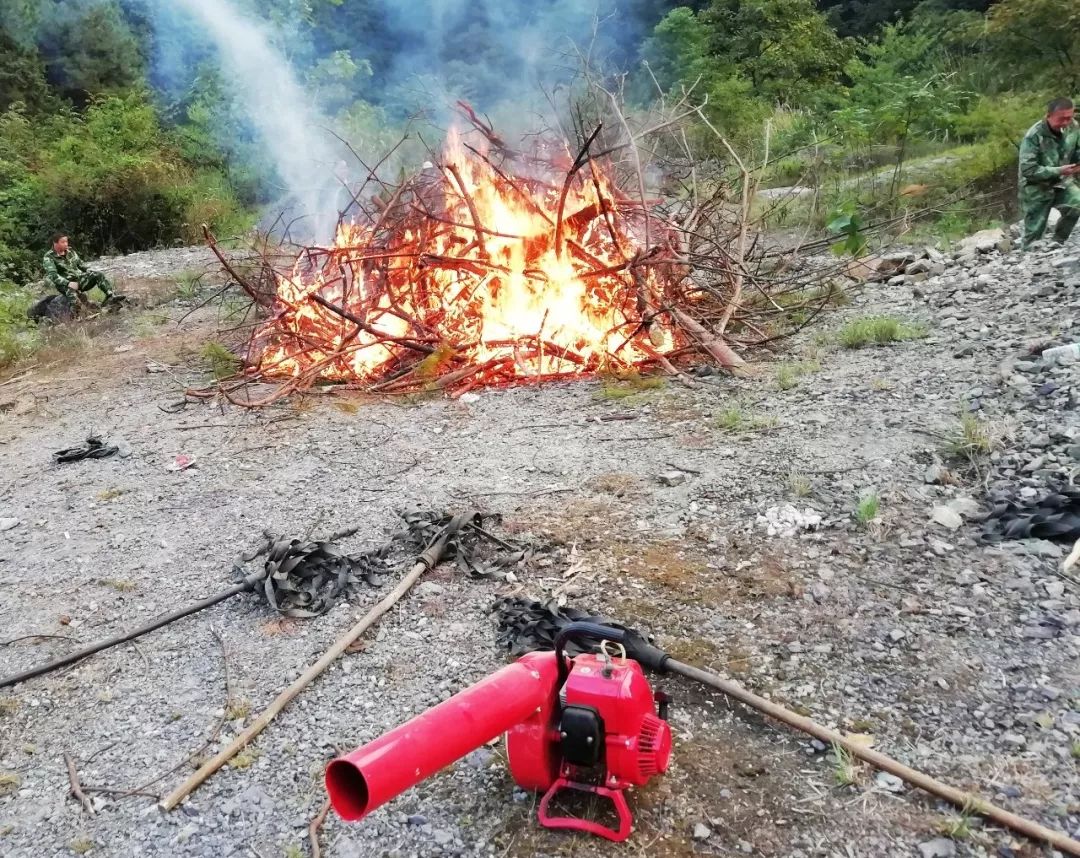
68	274
1049	165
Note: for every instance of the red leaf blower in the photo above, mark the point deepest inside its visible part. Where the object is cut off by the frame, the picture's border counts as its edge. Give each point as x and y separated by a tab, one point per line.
588	724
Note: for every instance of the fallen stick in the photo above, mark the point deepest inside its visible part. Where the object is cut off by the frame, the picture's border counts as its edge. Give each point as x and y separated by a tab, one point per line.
313	830
76	788
247	584
428	560
966	801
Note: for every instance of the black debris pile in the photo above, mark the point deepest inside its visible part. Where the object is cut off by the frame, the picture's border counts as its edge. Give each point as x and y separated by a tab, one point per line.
94	448
1051	514
525	625
475	550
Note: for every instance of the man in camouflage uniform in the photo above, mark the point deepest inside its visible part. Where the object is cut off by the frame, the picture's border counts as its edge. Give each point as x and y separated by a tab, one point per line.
1049	163
69	275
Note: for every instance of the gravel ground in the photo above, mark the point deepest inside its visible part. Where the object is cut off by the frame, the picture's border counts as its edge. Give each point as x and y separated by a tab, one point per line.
955	657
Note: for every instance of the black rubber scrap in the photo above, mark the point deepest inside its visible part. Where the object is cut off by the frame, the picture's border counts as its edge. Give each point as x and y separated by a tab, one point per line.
94	448
1053	514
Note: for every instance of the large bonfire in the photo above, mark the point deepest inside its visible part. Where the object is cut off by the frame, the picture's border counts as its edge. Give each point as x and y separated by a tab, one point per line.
493	266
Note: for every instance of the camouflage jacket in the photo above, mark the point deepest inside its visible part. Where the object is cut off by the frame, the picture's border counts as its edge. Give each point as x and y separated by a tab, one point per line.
61	270
1043	153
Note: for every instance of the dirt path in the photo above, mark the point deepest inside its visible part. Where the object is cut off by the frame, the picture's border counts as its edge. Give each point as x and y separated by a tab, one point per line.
899	629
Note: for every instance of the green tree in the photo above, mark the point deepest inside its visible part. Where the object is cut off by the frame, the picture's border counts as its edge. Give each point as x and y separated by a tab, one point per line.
1041	37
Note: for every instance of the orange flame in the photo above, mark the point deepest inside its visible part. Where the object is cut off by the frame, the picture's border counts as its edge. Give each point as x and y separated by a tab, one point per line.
479	267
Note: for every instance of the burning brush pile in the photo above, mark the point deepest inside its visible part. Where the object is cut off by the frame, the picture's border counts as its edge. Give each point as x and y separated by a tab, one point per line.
496	267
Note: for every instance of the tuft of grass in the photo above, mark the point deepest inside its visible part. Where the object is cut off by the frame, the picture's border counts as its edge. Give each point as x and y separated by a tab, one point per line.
237	708
119	584
789	374
219	360
109	494
735	419
81	845
845	767
878	330
801	486
245	759
9	782
881	385
956	827
972	439
867	509
293	851
188	285
625	386
9	705
1076	749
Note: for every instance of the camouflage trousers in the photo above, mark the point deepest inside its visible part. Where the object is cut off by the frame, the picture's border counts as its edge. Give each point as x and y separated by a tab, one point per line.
87	282
1036	204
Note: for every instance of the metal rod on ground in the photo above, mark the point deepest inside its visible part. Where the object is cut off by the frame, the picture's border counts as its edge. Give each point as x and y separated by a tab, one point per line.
245	585
968	802
428	560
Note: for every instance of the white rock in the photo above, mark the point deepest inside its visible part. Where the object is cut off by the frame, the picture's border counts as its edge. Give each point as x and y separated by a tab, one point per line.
8	523
947	517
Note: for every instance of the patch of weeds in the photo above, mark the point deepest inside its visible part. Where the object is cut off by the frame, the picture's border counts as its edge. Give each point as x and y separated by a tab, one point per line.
972	439
293	851
245	759
628	386
119	584
146	324
188	285
1076	749
5	830
9	782
237	708
845	767
957	827
735	419
878	330
788	375
219	360
81	845
867	509
109	494
801	485
881	385
9	705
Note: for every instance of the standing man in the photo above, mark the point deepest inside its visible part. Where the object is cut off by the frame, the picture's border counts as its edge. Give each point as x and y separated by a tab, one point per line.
1049	163
69	275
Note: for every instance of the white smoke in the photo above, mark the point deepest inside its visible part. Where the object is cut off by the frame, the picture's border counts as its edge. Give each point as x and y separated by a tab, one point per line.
276	105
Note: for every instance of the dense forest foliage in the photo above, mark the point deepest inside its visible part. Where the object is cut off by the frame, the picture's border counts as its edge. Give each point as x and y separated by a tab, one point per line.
117	123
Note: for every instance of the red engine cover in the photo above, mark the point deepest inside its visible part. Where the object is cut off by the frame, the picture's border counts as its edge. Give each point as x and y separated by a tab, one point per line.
638	742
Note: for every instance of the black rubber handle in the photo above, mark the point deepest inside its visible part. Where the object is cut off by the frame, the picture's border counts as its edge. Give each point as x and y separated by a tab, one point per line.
582	630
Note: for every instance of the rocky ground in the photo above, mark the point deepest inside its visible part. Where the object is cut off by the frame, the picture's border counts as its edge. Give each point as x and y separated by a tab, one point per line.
806	531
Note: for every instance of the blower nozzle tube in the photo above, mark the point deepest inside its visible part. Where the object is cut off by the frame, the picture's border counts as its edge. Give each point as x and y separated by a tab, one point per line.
374	773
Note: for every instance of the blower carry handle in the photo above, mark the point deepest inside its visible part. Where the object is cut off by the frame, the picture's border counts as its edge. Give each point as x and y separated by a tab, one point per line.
582	630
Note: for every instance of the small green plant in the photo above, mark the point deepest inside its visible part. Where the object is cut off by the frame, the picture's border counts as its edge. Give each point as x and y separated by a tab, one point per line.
956	827
627	386
845	768
219	360
237	708
971	440
245	759
9	782
1076	749
735	419
800	485
9	705
881	385
188	285
81	845
293	851
120	585
877	330
789	374
846	223
867	509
